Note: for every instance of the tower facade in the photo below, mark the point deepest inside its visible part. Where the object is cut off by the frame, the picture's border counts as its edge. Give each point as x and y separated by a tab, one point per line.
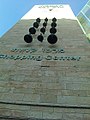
45	67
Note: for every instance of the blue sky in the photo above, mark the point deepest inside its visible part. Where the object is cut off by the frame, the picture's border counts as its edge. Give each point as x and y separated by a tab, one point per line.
12	10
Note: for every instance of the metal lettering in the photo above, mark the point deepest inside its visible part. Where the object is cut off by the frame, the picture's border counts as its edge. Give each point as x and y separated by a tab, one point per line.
78	58
49	6
54	50
48	57
33	58
31	50
17	57
73	58
2	56
28	57
23	57
12	57
55	58
39	58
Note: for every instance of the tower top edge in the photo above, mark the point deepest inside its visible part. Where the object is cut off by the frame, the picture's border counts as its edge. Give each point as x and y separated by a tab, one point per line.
50	10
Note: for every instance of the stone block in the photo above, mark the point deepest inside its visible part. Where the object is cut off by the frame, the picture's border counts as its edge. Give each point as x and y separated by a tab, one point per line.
73	100
82	93
78	86
5	112
41	109
34	114
67	116
48	98
86	117
53	115
31	98
11	97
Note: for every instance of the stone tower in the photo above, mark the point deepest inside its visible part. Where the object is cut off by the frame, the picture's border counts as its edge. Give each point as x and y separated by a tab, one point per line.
45	67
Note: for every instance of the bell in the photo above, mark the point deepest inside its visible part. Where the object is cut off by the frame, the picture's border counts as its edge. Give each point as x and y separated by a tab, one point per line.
32	30
42	30
28	38
52	39
53	30
53	24
46	19
44	24
35	24
40	38
38	20
54	19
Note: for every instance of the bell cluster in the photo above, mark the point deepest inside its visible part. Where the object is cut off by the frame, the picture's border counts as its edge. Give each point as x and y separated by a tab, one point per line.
52	38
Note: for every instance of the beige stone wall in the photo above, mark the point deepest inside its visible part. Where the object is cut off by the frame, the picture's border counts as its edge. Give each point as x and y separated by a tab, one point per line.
49	82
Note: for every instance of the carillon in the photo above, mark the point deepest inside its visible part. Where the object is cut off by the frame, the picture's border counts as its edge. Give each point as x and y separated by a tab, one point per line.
42	28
